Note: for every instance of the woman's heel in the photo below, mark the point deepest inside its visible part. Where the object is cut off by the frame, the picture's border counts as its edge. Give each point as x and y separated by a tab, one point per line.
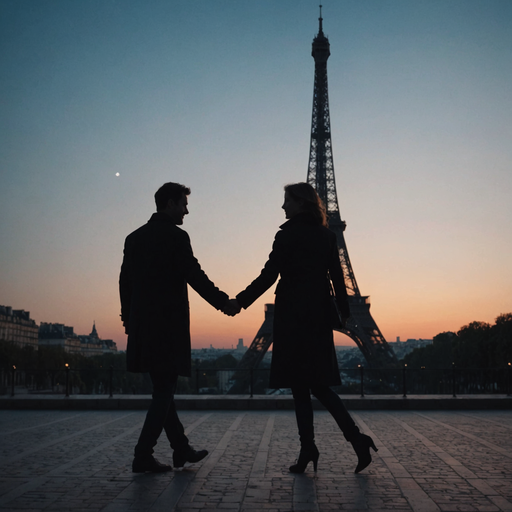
306	456
362	446
315	461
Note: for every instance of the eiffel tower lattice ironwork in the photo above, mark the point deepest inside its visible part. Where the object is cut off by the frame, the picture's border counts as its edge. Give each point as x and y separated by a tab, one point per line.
361	327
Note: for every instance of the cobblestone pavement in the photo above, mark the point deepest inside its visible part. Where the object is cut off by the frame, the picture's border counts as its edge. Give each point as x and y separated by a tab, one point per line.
427	461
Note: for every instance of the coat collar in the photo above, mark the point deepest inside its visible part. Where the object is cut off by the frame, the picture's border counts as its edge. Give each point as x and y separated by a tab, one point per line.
300	218
160	217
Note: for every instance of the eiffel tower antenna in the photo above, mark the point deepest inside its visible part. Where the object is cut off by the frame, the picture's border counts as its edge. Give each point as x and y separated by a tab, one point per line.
361	327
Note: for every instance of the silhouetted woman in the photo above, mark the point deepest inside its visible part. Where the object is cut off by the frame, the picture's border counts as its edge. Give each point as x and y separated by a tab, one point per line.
304	255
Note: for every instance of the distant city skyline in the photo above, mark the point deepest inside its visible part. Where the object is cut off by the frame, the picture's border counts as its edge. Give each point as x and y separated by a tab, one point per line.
103	101
17	328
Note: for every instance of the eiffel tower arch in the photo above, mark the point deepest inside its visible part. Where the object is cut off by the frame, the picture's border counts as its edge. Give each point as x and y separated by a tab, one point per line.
361	327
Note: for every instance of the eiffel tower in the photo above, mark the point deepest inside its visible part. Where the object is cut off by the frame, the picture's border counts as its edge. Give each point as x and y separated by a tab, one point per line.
361	327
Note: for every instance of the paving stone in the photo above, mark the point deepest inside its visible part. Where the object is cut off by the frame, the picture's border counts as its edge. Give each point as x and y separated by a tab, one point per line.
427	461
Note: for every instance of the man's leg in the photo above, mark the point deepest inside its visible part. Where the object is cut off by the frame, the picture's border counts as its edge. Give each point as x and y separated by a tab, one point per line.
164	386
174	430
173	426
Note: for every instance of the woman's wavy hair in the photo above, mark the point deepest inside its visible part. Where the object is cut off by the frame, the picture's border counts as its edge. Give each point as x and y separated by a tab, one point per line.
306	194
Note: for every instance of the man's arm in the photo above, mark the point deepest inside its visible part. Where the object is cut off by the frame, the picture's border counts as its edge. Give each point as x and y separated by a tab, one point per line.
196	277
125	291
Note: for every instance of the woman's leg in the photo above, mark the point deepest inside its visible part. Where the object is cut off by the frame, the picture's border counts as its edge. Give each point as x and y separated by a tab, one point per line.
360	442
304	415
333	403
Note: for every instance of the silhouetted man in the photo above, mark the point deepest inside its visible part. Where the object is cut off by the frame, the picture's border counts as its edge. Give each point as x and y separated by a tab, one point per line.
157	265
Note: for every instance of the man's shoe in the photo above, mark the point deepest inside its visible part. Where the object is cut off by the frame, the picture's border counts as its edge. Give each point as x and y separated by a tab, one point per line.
190	455
149	465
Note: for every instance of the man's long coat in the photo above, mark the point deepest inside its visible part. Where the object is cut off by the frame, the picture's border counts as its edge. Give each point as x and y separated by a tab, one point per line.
157	265
304	253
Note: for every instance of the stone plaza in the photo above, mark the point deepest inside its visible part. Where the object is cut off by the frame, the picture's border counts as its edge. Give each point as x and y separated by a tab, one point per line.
72	460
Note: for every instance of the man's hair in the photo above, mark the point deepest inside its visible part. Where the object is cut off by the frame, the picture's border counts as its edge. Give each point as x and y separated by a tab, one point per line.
311	200
174	191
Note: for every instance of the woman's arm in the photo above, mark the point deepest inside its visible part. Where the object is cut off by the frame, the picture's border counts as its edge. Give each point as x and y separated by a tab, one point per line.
267	277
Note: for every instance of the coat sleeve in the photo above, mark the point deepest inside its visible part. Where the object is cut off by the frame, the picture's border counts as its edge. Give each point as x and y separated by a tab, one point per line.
196	277
338	280
267	277
125	291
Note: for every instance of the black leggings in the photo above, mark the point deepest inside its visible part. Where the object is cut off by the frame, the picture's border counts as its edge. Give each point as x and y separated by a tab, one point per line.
331	401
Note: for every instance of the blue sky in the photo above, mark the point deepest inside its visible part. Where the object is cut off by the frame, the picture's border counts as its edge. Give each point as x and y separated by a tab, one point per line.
217	95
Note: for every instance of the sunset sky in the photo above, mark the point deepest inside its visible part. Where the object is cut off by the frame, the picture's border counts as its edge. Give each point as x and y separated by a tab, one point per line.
217	94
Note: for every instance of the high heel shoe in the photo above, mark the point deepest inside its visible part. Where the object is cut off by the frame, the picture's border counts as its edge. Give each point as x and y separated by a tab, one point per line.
306	456
362	446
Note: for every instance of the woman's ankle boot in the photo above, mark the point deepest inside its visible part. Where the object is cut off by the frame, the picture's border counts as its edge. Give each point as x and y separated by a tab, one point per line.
307	454
362	444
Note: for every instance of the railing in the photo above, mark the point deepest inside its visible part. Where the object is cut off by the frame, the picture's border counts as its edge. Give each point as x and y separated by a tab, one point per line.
218	381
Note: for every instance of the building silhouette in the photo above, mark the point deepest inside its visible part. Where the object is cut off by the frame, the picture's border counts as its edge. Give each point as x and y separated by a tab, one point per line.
18	328
59	335
93	345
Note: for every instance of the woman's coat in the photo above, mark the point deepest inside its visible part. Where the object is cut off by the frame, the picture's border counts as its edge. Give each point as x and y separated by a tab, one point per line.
304	253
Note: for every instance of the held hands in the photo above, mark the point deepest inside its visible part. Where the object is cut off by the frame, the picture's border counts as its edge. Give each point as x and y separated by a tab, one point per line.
232	307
